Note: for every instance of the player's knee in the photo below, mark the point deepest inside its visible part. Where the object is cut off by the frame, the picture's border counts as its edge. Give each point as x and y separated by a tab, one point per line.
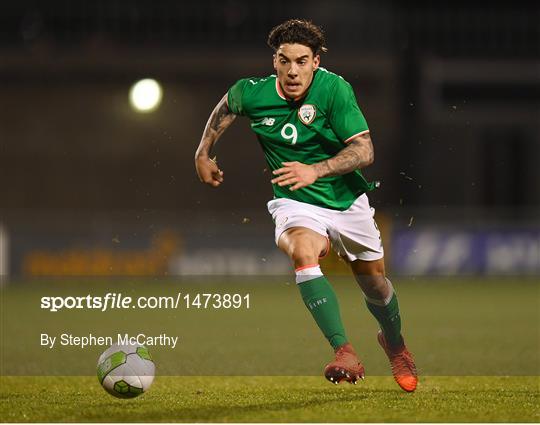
301	247
303	253
370	275
368	268
304	259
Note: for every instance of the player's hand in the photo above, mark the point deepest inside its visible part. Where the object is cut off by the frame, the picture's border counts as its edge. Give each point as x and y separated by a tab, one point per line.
296	174
208	171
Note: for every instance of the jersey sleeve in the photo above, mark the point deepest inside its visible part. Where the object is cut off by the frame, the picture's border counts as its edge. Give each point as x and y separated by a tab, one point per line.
235	97
346	119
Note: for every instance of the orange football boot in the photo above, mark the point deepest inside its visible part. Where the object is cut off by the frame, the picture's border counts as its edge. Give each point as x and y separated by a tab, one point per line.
345	367
402	362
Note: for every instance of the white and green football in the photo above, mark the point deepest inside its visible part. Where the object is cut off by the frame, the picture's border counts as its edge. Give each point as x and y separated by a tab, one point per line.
126	371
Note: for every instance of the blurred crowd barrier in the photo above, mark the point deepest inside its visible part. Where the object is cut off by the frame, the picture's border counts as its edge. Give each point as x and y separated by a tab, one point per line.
448	250
187	244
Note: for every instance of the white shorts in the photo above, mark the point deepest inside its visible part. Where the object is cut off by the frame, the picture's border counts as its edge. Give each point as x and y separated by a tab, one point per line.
353	232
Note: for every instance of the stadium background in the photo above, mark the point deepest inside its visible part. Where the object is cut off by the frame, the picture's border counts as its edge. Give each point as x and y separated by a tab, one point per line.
91	187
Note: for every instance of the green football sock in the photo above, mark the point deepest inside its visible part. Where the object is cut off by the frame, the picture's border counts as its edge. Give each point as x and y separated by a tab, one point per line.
320	298
389	319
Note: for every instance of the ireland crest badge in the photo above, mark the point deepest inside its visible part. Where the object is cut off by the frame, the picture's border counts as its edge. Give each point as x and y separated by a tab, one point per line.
307	113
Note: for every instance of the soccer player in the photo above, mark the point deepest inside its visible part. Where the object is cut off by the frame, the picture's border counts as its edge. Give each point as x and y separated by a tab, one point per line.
316	140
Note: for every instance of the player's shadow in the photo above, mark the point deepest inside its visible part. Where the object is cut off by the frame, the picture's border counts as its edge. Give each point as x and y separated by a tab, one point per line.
312	398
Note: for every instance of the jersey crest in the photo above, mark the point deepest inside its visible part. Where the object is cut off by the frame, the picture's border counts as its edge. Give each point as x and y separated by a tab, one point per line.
307	114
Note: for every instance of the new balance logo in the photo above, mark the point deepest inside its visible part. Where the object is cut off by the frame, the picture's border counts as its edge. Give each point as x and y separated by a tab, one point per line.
268	121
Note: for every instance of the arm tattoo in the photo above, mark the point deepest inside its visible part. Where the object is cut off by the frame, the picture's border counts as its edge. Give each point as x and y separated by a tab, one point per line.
358	154
220	119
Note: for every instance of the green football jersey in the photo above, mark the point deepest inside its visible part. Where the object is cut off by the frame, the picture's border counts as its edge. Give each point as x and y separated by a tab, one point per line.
308	131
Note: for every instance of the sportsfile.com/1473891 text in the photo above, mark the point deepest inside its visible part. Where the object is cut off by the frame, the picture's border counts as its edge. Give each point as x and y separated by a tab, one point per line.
114	300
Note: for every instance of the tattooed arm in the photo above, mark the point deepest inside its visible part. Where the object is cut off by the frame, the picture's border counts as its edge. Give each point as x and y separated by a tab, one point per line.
220	119
357	154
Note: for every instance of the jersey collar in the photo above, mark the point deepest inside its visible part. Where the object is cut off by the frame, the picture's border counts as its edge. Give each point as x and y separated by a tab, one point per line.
279	90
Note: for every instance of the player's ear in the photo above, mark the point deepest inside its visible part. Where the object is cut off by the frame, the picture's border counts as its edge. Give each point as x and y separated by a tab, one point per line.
316	61
274	61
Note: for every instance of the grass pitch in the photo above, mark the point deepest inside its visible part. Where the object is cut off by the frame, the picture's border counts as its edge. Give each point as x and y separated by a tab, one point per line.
475	342
273	399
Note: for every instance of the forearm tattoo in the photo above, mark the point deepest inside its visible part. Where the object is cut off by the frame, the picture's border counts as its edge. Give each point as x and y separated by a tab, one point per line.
358	154
217	123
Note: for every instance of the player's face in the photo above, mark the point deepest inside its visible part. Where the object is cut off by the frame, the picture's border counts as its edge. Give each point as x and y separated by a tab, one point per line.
295	64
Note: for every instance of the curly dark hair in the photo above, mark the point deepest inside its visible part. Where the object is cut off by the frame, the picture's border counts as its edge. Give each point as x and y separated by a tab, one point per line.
298	31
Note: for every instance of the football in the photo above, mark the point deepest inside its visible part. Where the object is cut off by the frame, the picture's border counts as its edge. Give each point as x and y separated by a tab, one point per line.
126	371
